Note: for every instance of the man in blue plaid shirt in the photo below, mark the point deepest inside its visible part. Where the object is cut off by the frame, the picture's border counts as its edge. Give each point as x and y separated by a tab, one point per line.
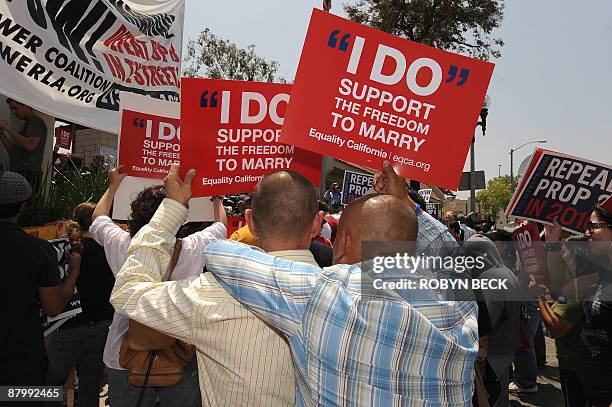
350	347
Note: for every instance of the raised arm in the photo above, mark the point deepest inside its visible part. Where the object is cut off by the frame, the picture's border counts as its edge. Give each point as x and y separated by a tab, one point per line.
139	294
105	203
276	290
54	299
557	269
433	237
27	143
219	210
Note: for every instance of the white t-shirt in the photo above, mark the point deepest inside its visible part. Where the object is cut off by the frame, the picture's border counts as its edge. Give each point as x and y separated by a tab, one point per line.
326	231
116	242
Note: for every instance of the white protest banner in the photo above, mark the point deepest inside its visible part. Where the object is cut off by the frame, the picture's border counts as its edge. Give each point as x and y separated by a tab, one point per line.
138	141
71	58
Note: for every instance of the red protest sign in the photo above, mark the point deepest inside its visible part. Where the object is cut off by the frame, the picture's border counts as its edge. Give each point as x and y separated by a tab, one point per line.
63	138
148	144
366	96
230	135
531	253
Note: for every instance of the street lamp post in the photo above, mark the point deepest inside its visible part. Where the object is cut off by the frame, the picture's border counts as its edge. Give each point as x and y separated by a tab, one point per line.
484	112
512	150
498	170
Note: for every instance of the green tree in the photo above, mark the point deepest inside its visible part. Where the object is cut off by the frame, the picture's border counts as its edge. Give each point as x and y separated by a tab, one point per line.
463	26
214	57
497	195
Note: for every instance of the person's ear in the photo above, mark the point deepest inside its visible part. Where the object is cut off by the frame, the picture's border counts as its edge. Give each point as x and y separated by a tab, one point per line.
315	228
342	246
248	215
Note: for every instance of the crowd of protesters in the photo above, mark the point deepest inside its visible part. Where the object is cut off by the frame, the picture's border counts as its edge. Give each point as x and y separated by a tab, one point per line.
178	315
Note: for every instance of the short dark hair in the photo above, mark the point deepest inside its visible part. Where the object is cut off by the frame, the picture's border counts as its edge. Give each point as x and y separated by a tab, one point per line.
10	210
456	227
144	207
323	206
284	205
11	100
603	214
414	195
82	214
501	235
190	228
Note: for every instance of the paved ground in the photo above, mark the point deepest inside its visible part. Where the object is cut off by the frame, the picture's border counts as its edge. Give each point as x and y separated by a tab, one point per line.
548	382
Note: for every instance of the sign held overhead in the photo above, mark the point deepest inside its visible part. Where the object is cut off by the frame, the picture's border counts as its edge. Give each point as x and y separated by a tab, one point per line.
379	97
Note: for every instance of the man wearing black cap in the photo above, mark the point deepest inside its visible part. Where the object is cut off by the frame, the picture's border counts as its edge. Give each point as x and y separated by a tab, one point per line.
29	275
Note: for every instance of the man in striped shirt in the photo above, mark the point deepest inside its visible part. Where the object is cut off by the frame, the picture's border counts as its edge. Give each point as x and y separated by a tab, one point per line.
349	346
241	360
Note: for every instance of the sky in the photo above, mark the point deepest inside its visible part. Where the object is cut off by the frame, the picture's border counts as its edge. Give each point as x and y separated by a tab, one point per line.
553	81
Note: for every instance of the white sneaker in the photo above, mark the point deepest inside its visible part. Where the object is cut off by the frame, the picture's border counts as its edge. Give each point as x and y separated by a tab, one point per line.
516	389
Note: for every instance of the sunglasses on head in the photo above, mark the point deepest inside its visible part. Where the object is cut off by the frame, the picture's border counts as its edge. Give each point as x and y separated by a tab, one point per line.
591	227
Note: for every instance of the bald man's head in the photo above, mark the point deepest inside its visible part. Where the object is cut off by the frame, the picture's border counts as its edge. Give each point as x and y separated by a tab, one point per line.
373	218
284	207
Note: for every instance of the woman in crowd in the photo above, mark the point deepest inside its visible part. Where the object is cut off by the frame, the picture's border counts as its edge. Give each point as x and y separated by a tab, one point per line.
594	363
190	262
80	341
594	350
564	320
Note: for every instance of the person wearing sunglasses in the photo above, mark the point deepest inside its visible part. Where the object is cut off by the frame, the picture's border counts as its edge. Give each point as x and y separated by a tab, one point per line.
595	346
594	350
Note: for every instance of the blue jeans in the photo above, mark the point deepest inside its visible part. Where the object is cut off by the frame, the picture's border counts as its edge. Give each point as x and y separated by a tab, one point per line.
81	347
525	363
185	394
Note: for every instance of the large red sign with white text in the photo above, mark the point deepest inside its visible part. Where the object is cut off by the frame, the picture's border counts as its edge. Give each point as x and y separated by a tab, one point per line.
148	144
366	96
230	135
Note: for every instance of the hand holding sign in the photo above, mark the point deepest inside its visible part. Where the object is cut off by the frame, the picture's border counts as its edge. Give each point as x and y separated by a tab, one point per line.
115	176
553	232
389	182
177	189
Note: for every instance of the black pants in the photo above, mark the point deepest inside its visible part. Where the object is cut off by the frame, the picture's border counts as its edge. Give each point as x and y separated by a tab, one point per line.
539	344
573	393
